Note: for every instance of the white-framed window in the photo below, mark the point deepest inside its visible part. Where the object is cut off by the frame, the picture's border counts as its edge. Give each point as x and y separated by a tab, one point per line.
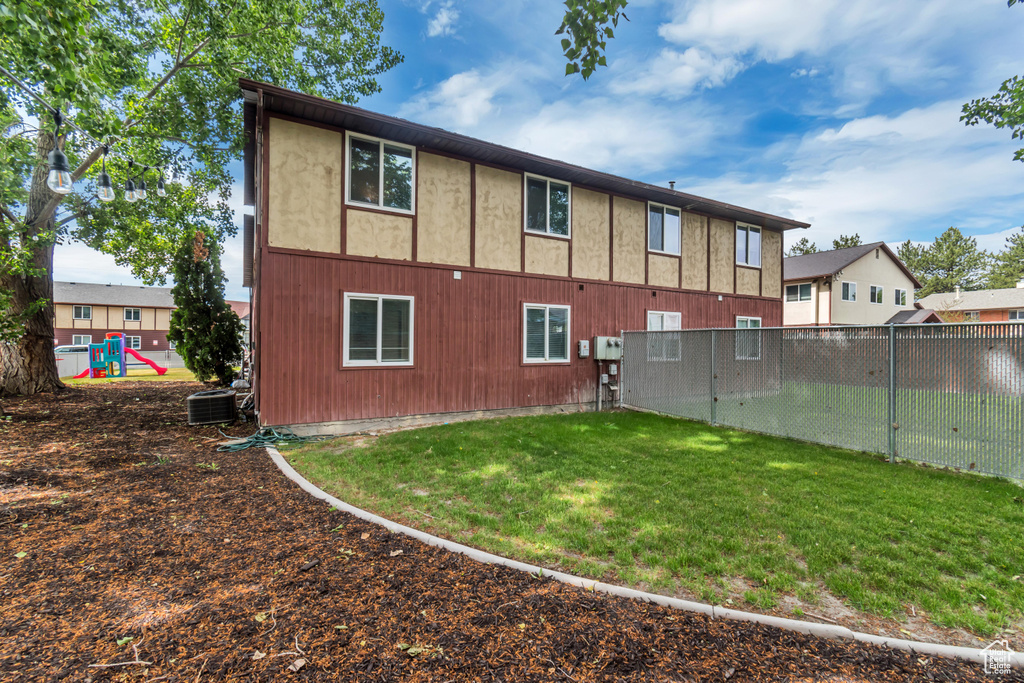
664	226
171	345
547	205
748	343
133	314
1017	315
664	346
132	342
849	291
546	331
81	339
875	294
81	312
900	298
748	245
378	329
972	316
798	292
381	173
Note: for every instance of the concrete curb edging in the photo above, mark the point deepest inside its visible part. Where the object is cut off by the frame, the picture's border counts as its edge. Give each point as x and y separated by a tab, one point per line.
1016	659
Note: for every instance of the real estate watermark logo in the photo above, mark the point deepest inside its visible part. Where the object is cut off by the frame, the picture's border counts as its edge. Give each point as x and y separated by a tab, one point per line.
997	655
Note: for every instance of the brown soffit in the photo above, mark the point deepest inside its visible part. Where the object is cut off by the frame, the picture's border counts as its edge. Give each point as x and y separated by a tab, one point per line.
318	110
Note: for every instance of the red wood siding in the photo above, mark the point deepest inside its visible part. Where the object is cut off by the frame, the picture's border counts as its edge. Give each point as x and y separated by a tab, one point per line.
467	337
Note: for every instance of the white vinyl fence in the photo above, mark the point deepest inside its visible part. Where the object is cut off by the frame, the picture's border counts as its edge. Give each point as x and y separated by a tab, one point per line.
70	364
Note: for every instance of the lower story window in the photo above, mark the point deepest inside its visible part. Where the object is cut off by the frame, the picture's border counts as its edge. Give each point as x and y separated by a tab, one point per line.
378	329
798	292
133	342
80	339
171	345
662	347
972	316
748	344
545	333
1017	315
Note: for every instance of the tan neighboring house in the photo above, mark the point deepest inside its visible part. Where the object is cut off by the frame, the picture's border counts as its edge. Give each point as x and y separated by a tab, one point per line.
983	305
863	285
84	312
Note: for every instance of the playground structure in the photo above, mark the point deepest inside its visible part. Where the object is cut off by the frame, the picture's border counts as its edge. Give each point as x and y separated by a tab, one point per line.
108	358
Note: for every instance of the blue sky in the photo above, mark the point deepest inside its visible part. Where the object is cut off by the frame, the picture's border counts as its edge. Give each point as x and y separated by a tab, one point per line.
844	114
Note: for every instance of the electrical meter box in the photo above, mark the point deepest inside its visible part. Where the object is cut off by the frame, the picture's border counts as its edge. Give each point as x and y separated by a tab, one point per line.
607	348
584	348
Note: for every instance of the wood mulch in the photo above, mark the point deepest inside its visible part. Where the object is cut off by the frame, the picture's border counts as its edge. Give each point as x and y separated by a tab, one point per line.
131	551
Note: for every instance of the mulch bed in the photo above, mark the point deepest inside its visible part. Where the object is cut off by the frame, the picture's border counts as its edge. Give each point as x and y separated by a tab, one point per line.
130	535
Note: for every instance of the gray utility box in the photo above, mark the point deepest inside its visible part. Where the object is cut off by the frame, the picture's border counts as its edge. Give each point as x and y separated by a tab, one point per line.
607	348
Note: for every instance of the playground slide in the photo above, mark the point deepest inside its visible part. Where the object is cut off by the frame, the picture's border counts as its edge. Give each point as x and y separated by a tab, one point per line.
159	370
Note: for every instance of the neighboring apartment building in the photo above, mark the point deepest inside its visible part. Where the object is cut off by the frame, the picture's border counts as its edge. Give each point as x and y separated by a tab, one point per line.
85	312
983	305
864	285
399	269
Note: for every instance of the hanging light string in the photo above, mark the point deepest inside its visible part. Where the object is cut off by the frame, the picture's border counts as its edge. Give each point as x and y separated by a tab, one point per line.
59	179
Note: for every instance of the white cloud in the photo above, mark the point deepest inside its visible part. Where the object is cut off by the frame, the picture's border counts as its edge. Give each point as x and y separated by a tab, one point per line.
889	178
676	74
462	100
443	22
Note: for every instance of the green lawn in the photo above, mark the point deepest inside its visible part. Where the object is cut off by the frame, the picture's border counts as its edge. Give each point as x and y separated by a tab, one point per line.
137	374
681	507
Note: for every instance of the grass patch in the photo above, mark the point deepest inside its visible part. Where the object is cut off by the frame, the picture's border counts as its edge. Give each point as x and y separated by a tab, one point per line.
666	504
137	374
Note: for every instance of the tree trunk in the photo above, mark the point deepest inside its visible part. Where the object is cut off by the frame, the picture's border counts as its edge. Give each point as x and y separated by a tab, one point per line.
29	365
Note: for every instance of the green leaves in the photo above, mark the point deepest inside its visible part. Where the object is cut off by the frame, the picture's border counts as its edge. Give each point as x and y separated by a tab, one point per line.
589	25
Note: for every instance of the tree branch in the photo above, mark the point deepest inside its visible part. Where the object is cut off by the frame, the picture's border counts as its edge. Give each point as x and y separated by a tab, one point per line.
10	216
55	199
181	37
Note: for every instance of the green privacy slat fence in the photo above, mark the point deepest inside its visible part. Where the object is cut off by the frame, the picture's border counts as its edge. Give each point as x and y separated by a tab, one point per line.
949	394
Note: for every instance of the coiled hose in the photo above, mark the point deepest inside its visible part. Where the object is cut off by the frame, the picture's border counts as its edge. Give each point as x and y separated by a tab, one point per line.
267	436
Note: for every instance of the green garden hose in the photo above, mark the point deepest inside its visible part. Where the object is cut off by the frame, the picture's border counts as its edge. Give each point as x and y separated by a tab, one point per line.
267	436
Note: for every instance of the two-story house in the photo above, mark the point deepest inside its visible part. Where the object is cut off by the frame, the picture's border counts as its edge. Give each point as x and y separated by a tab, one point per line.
863	285
85	312
399	269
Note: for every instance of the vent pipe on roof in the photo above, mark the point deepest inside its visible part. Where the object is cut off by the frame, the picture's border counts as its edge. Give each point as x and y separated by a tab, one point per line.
671	184
956	295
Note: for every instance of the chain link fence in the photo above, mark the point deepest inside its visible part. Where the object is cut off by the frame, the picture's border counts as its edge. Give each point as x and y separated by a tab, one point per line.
946	394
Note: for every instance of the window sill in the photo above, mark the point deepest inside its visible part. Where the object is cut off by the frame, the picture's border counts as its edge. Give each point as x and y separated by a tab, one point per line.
546	362
348	365
374	208
747	265
662	253
548	235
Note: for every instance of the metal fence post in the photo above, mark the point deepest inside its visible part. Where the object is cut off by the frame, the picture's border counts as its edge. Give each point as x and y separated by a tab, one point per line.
714	382
892	393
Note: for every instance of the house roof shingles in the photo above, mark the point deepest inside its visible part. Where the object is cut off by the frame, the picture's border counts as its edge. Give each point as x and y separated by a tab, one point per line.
824	263
112	295
982	299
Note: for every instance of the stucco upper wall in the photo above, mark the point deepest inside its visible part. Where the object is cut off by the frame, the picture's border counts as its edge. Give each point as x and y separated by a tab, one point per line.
443	210
305	187
547	256
870	270
771	263
499	219
723	255
748	281
381	235
662	271
62	315
590	236
630	228
695	252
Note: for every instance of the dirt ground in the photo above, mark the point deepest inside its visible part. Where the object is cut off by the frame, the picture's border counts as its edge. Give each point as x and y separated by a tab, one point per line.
130	550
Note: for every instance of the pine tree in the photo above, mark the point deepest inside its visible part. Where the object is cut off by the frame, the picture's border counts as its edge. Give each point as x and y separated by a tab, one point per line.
847	241
913	256
1008	265
204	328
803	246
953	260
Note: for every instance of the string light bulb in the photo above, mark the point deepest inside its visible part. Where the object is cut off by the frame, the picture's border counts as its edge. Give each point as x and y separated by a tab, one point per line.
129	185
160	190
140	187
59	178
105	193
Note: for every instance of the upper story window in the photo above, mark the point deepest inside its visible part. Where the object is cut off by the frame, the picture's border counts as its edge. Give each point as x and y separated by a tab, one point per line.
849	291
82	313
875	295
378	330
798	292
380	173
663	229
748	245
901	297
131	314
547	206
545	333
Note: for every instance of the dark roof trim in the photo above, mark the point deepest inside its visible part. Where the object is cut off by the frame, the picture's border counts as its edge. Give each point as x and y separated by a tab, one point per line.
282	101
831	266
